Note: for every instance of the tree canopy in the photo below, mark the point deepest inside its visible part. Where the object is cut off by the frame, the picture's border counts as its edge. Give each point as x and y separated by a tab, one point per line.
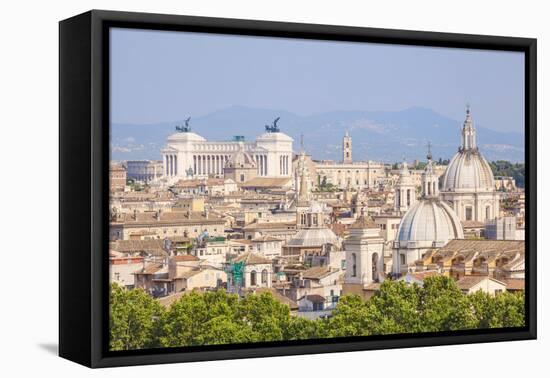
139	321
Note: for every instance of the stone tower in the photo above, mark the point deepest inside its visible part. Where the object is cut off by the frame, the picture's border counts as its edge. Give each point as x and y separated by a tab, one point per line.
405	191
364	255
346	149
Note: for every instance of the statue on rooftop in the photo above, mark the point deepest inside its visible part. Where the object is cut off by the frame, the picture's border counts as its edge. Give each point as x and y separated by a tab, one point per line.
273	128
186	128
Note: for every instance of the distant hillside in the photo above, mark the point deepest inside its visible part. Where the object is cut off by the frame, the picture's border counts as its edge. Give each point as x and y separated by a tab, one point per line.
383	136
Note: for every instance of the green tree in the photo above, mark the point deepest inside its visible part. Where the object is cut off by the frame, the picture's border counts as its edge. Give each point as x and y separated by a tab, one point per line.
268	319
304	329
444	307
499	311
349	318
189	319
394	309
132	319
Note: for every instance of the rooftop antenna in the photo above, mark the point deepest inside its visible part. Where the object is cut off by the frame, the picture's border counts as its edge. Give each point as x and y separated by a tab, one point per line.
302	143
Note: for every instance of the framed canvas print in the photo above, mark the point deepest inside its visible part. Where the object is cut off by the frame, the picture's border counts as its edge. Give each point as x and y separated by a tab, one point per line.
236	188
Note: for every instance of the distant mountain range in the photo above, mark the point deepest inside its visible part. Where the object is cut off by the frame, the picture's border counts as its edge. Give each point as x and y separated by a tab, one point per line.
377	135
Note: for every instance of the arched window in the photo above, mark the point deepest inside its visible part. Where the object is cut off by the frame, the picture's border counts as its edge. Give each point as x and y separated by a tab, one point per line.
253	278
264	277
354	265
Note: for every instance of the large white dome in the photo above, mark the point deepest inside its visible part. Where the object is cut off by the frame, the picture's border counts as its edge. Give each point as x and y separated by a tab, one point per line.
313	237
430	222
468	171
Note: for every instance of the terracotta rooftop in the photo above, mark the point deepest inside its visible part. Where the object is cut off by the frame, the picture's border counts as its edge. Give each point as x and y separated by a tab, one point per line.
266	182
265	238
278	296
167	217
318	272
252	259
467	282
515	283
181	258
421	276
270	225
153	246
149	269
472	224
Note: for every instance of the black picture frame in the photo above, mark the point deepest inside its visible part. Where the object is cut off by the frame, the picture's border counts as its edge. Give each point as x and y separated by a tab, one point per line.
83	180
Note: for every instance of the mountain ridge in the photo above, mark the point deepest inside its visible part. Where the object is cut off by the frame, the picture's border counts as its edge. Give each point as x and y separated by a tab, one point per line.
387	136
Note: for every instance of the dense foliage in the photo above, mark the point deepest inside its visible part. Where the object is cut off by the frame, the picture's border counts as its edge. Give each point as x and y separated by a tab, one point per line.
138	321
505	168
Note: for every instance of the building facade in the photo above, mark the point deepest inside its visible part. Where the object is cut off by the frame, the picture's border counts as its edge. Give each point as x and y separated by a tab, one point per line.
117	177
189	155
348	173
144	170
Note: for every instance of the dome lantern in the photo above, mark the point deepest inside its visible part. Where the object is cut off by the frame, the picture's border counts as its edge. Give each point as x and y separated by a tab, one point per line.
468	133
430	181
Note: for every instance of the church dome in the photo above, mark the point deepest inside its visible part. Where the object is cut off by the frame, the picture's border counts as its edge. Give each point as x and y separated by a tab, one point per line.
468	169
430	222
313	237
184	137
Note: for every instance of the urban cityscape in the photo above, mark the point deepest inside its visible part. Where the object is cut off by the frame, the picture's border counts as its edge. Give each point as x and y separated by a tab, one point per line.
246	240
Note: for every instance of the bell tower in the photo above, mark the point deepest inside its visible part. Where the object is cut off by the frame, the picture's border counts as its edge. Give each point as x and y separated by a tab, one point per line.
364	249
405	190
346	149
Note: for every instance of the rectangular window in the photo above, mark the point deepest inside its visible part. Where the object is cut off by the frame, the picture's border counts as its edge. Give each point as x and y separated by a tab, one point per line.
469	213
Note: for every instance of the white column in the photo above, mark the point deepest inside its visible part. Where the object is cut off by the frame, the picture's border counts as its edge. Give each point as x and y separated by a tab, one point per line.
173	165
287	160
286	165
171	171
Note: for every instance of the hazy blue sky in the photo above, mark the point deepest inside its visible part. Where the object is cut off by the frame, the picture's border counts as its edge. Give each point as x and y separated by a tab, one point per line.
164	76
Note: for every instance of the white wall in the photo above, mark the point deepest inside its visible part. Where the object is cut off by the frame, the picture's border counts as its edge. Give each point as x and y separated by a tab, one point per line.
29	64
